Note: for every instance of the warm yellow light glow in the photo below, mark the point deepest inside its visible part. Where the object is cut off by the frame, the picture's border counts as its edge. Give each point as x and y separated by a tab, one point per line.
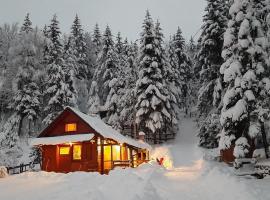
71	127
64	150
128	154
107	153
116	152
167	163
77	152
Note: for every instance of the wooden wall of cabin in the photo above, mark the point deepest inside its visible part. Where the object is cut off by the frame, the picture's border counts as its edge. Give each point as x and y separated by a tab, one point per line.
49	158
53	161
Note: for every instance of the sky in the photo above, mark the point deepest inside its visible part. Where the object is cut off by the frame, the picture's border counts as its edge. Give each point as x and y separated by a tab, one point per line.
125	16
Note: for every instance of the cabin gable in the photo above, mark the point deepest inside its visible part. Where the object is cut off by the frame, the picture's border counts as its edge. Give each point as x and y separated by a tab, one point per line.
57	127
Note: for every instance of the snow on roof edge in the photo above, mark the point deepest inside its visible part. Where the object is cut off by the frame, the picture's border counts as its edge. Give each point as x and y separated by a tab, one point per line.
61	139
107	131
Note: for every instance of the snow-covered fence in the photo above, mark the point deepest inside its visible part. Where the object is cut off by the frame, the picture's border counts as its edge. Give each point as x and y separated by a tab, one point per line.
21	168
3	172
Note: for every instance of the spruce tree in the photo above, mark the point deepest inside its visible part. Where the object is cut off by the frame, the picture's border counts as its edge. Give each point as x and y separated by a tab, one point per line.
209	55
97	40
246	75
26	100
106	71
152	96
57	93
209	61
79	48
183	67
27	25
119	44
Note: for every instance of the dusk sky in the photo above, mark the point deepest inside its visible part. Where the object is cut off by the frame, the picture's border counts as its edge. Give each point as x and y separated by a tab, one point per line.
122	15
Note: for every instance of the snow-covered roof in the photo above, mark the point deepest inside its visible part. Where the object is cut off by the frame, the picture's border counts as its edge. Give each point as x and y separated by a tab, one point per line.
61	139
107	131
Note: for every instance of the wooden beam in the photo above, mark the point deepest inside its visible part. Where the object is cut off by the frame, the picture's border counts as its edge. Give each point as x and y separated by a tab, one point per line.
131	157
102	155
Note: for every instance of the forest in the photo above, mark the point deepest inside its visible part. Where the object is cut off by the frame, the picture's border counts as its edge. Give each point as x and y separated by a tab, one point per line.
221	79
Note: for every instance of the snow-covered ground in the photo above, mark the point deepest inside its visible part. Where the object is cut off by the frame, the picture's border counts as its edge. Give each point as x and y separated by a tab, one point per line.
188	177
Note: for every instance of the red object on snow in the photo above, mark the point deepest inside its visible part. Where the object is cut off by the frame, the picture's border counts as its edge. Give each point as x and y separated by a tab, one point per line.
160	161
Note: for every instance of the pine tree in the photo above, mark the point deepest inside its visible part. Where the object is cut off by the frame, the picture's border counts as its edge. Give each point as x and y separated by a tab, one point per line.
105	72
26	100
183	67
119	44
152	96
27	25
58	93
209	62
246	75
97	40
79	46
209	55
191	48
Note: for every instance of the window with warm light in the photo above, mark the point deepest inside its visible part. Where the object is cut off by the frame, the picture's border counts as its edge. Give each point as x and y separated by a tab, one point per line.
71	127
64	150
107	153
116	152
77	152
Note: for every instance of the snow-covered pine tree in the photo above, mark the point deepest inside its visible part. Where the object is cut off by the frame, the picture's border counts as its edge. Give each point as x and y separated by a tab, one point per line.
26	100
126	47
191	48
209	55
209	61
97	40
77	51
105	73
173	74
79	46
119	44
182	68
27	25
246	75
153	104
70	61
57	93
127	94
91	57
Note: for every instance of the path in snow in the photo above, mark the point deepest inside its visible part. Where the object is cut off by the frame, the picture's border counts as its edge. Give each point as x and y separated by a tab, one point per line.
193	178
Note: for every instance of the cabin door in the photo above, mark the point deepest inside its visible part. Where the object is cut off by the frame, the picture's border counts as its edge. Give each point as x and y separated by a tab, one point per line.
64	162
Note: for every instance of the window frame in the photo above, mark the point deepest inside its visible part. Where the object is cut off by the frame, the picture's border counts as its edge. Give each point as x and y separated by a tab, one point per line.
81	145
64	147
69	123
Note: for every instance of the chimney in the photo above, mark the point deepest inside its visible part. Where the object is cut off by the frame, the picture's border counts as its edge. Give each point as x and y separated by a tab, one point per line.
141	136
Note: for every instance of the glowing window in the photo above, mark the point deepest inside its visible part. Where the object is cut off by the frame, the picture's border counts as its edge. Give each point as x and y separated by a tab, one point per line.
116	152
77	152
64	150
70	127
107	153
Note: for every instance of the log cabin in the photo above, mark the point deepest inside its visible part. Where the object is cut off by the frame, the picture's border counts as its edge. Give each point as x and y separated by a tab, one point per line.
75	141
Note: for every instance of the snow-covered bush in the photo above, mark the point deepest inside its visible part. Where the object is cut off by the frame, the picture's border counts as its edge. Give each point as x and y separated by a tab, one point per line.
241	147
208	132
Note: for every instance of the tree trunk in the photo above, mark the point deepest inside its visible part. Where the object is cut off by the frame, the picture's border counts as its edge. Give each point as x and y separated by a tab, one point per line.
264	138
20	126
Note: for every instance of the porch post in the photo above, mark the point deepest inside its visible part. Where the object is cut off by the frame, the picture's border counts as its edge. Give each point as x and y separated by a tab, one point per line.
102	155
131	157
